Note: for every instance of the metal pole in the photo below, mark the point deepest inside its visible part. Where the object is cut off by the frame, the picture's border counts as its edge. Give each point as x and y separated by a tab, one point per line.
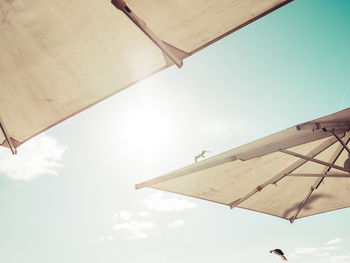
341	141
274	179
7	137
327	175
319	180
314	160
121	5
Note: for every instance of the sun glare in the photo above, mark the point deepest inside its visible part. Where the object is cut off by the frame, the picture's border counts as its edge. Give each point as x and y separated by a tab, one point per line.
145	128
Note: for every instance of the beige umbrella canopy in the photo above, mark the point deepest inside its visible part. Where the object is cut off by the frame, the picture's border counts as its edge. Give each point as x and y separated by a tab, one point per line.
59	57
298	172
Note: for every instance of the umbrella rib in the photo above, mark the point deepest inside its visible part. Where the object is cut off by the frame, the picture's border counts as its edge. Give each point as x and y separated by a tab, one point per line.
319	180
121	5
328	175
341	141
274	179
8	138
311	159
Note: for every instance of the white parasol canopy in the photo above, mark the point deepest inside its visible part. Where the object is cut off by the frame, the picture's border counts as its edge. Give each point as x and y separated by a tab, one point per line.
297	172
60	57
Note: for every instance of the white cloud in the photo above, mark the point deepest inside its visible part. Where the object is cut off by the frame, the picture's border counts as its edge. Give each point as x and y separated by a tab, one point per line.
143	214
100	239
322	254
125	215
334	241
38	156
339	259
135	229
306	250
176	223
157	202
330	248
293	255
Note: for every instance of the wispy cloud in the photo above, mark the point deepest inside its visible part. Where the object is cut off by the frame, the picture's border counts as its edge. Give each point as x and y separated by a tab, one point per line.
177	223
339	259
330	248
334	241
135	229
135	226
325	253
322	254
157	202
39	156
125	215
100	239
293	255
306	250
143	214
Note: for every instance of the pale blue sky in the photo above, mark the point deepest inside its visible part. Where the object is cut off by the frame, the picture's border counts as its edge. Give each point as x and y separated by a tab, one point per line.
288	67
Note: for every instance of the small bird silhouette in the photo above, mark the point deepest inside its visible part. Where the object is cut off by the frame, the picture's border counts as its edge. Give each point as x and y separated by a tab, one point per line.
279	252
201	155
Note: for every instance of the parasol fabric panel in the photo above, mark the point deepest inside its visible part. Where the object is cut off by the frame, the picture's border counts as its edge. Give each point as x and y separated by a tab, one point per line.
298	172
60	57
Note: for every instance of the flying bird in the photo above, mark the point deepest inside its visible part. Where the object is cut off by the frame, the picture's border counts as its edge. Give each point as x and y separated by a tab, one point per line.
279	252
201	155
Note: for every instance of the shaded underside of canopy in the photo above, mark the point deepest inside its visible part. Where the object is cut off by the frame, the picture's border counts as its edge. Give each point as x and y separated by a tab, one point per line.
264	176
60	57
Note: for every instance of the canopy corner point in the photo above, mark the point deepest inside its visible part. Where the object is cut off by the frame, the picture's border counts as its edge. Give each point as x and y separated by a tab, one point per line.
140	186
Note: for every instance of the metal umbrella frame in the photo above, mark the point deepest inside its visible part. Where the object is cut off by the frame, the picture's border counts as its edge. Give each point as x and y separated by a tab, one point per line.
301	171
